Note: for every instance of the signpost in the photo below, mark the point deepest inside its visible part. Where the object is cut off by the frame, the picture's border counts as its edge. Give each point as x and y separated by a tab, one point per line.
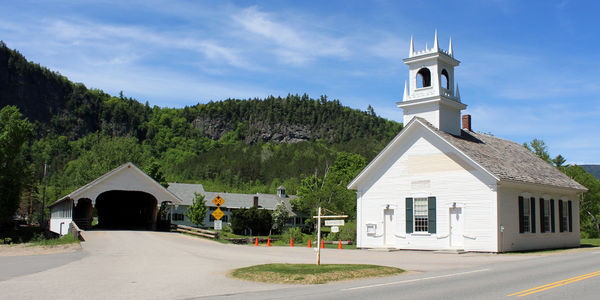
333	221
218	213
218	224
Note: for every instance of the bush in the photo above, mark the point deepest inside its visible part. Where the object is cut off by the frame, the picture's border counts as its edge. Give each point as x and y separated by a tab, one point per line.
347	232
293	232
251	221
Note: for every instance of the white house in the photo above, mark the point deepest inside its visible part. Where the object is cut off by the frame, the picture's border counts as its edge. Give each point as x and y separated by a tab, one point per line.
436	186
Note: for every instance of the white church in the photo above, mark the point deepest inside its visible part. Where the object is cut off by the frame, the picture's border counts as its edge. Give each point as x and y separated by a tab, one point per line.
437	186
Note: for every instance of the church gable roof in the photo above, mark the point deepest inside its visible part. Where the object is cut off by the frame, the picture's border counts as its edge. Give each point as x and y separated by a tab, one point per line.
506	160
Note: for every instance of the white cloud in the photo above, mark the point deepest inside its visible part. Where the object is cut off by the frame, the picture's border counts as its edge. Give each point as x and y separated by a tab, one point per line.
292	44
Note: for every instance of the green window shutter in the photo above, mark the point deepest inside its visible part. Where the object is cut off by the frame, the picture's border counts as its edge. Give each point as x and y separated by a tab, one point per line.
431	215
532	214
521	223
570	216
561	226
409	215
542	223
552	215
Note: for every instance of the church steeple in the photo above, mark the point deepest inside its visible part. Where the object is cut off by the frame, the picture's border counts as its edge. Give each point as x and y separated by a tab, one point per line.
430	93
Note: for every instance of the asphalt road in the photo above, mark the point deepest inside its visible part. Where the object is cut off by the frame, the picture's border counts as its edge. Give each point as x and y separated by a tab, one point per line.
155	265
549	277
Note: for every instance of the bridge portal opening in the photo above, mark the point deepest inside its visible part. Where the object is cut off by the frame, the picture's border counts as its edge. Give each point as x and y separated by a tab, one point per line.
126	210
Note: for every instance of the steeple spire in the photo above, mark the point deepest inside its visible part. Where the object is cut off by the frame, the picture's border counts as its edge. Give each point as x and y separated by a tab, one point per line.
457	92
436	47
405	97
450	51
411	52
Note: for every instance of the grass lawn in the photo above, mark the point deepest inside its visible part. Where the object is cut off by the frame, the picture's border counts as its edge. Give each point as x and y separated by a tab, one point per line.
311	274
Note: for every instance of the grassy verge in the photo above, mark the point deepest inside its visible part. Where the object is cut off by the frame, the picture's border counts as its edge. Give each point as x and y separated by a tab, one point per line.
585	243
63	240
590	242
311	274
277	240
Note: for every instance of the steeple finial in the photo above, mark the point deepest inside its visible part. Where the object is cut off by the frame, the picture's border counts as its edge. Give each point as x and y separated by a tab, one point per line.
411	52
450	51
436	47
405	92
457	92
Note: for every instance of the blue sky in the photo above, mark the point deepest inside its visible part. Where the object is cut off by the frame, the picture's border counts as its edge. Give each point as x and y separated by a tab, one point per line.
528	68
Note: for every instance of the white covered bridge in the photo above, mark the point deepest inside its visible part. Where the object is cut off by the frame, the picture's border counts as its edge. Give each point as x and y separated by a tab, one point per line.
124	198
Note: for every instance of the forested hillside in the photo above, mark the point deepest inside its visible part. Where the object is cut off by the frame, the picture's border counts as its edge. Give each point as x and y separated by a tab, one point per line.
251	145
592	169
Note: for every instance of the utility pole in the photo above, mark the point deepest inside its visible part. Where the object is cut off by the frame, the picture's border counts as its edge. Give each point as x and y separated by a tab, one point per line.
42	212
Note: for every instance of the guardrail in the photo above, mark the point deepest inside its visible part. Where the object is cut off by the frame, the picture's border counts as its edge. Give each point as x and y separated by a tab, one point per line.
196	231
76	232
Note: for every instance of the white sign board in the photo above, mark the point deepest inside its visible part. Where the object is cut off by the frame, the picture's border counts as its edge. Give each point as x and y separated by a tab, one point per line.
335	229
334	222
218	224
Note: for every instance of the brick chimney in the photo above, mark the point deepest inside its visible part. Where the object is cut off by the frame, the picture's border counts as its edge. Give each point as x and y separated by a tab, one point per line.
255	201
466	122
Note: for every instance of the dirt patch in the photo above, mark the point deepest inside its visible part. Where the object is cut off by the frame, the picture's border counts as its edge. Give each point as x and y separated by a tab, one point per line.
21	250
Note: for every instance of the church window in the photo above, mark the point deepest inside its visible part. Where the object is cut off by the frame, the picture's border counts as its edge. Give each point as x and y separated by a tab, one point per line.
547	215
444	79
421	215
423	78
526	215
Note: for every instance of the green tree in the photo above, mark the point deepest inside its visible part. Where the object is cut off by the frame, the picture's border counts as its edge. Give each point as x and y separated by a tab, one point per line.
330	190
540	149
258	221
14	132
590	202
197	211
155	171
280	216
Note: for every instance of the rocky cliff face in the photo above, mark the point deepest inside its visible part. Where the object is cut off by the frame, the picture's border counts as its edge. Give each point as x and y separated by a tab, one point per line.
257	131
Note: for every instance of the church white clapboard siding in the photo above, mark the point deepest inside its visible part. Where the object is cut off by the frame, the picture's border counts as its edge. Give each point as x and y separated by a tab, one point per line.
436	186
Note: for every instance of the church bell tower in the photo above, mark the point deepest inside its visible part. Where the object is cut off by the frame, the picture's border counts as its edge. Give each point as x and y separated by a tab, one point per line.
431	92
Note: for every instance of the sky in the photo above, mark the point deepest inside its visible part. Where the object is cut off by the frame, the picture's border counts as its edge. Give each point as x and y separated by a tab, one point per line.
528	68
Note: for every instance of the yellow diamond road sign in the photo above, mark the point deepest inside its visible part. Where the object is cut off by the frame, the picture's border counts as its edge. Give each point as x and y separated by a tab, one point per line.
218	201
218	214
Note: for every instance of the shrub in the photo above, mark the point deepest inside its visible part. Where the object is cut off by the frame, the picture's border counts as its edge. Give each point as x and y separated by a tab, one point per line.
347	232
293	232
259	222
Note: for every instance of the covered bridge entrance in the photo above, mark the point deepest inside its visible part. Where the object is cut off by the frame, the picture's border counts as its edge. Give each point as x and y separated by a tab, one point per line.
124	198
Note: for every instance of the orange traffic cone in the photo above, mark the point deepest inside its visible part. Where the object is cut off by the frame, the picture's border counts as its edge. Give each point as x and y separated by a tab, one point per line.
291	242
309	243
256	242
269	242
340	244
322	244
